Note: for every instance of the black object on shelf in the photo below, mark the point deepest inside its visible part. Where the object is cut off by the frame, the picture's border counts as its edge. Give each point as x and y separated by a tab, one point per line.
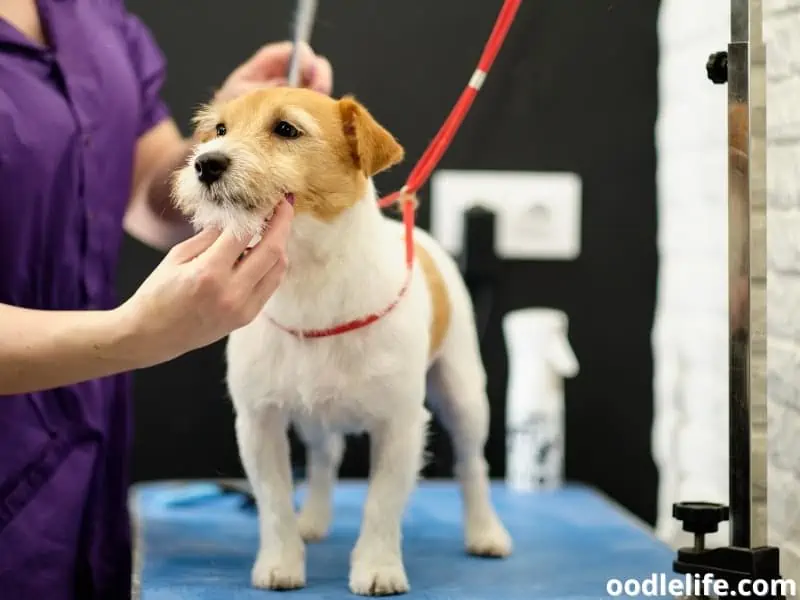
242	488
479	262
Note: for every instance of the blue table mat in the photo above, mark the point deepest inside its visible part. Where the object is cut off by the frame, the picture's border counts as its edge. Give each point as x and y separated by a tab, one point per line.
200	544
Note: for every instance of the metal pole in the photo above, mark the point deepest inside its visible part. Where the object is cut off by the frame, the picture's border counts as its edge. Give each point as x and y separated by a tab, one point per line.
747	274
304	22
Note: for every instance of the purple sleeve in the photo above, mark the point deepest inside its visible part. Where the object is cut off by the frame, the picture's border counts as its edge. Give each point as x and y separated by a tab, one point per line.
150	67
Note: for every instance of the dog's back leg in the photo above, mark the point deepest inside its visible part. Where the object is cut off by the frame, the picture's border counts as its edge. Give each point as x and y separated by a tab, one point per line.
324	451
462	407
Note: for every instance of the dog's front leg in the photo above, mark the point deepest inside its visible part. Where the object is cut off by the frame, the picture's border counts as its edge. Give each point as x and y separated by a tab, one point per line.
264	450
396	459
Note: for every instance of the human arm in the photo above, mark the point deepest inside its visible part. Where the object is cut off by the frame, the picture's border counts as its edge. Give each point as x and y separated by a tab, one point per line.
197	295
47	349
151	217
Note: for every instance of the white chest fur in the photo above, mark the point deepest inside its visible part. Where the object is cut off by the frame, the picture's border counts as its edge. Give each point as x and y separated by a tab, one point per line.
338	272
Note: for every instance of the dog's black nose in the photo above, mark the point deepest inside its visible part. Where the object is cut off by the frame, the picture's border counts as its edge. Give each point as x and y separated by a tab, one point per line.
210	166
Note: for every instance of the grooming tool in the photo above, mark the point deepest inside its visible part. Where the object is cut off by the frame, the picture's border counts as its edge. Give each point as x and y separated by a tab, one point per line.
303	24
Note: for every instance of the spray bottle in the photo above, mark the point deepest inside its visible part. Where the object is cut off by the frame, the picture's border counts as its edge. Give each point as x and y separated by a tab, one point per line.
539	358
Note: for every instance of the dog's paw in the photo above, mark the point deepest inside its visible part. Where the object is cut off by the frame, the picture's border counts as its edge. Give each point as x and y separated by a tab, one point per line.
313	523
368	578
488	538
278	573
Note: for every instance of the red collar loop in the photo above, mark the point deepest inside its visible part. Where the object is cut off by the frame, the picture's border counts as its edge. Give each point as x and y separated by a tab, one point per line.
349	325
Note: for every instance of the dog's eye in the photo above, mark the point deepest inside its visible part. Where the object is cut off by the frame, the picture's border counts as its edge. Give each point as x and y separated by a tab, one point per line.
286	130
221	129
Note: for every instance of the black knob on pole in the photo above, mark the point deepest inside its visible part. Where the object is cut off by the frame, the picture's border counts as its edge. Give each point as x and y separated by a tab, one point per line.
717	67
700	518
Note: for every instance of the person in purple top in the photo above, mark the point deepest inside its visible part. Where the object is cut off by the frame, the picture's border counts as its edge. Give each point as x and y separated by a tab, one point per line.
86	149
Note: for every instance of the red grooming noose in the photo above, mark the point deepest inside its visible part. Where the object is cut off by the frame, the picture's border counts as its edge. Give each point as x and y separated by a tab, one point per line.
425	166
436	149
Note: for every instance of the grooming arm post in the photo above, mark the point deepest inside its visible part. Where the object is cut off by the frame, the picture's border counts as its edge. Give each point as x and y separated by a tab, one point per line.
747	274
748	557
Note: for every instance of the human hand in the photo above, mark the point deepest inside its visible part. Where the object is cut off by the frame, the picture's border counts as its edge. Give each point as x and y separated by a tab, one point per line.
201	291
269	67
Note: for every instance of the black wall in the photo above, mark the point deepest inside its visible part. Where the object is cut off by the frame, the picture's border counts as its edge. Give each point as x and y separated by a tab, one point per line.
574	89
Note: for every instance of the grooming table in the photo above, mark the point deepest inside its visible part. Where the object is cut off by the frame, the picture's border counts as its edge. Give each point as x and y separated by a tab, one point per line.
195	542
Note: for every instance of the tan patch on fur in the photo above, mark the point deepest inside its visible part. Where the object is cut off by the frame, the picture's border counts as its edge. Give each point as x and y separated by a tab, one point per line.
327	167
440	299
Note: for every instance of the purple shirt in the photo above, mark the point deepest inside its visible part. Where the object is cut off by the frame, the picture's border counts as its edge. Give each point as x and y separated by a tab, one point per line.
70	117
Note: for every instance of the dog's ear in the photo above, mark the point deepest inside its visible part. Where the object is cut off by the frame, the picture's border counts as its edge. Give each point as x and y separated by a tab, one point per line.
372	147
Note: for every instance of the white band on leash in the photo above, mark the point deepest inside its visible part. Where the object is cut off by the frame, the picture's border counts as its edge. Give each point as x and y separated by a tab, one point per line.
477	79
304	22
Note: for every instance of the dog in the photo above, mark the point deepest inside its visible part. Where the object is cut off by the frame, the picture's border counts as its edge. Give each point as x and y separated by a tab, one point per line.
346	265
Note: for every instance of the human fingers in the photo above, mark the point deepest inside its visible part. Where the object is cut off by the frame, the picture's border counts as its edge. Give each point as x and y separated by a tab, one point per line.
225	251
270	54
319	76
315	71
272	60
270	249
238	87
192	247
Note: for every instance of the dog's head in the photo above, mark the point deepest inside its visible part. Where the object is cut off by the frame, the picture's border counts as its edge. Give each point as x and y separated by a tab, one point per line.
261	147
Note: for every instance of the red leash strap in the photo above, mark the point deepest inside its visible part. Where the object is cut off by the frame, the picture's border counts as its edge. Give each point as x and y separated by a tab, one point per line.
438	146
425	166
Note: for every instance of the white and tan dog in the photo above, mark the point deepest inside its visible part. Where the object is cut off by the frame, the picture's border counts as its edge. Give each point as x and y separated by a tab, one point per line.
346	262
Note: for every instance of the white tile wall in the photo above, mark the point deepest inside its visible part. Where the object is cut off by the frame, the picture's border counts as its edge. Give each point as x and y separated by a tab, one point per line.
782	36
690	334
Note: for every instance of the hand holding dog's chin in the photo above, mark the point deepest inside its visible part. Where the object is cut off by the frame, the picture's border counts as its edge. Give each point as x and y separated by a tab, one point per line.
201	292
